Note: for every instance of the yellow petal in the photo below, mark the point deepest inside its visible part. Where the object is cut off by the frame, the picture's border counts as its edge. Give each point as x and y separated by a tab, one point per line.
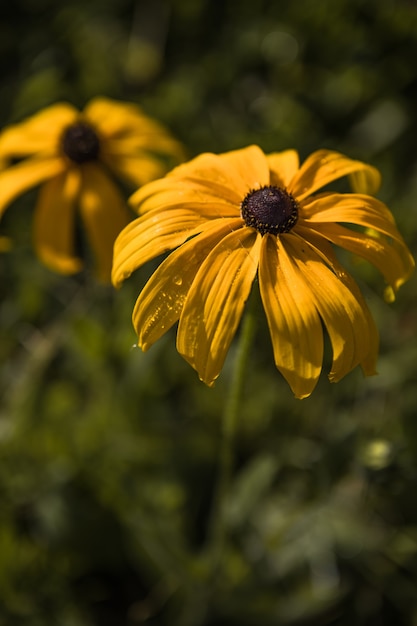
324	166
38	134
283	166
20	178
220	181
391	256
54	223
153	234
353	208
362	182
392	259
326	253
342	308
215	302
104	214
247	168
169	193
161	300
294	325
124	122
112	117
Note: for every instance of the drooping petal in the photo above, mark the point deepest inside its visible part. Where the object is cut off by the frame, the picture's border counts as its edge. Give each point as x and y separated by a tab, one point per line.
295	327
386	249
104	213
215	302
283	167
392	259
361	182
325	251
324	166
37	134
345	315
161	300
21	177
54	223
153	234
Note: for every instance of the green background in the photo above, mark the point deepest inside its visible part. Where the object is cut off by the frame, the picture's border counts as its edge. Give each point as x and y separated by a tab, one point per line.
109	457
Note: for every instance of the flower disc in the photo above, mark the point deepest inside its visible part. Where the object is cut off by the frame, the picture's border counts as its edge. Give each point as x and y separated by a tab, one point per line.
80	143
270	210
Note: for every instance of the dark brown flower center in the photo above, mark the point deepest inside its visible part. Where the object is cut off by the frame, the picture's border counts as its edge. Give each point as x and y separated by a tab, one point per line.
80	143
270	210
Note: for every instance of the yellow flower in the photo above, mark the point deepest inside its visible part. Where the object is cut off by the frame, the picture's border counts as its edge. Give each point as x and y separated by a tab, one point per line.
241	215
76	156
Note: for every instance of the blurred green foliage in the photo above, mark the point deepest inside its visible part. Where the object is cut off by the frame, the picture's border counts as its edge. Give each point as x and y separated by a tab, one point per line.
108	457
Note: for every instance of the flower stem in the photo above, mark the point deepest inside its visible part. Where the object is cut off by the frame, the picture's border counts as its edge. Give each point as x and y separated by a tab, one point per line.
226	455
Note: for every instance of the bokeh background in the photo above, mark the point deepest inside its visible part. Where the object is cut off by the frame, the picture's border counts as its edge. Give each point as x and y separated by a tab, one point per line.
108	457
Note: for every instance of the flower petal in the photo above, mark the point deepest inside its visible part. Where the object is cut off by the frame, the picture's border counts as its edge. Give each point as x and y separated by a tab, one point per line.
215	302
393	260
362	182
54	223
229	176
127	129
283	167
391	256
352	208
115	118
344	314
112	117
22	177
247	167
160	302
326	253
324	166
37	134
104	213
169	193
220	181
295	327
153	234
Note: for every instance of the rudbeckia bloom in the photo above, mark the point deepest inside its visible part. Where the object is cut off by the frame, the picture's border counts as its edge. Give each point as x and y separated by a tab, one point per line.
240	216
76	157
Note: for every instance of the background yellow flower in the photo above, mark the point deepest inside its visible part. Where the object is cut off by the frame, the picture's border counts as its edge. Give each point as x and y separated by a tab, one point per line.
76	157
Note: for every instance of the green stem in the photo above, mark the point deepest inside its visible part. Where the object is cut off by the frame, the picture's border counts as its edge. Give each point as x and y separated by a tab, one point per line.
229	423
